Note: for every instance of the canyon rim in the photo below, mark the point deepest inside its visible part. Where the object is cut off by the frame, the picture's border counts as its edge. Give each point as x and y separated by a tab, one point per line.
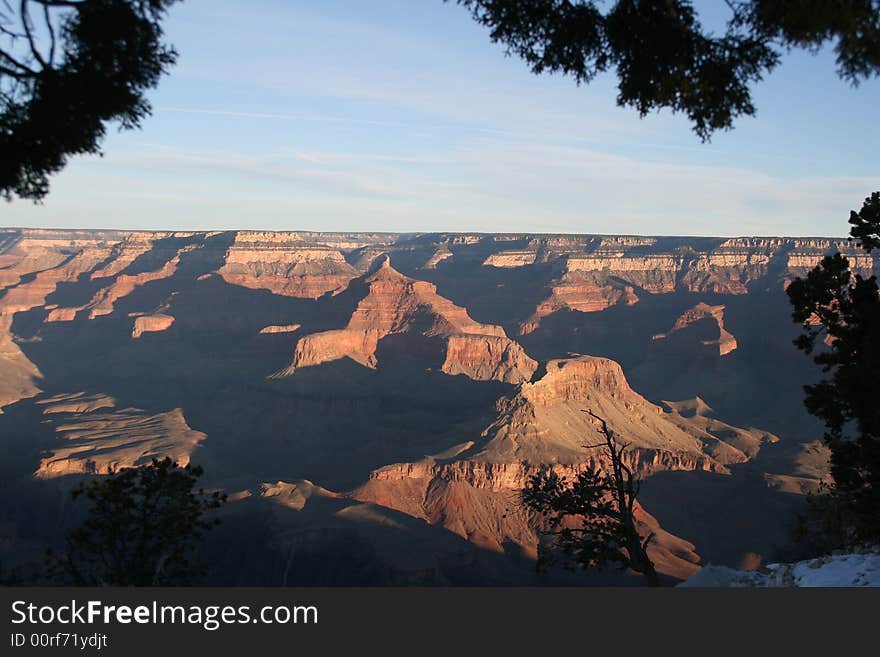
372	403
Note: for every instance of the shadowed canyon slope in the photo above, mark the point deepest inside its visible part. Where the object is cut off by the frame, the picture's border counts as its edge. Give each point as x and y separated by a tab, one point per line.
397	305
374	402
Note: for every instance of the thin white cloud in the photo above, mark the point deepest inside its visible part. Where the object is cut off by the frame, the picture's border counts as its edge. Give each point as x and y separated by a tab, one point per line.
324	118
486	185
342	122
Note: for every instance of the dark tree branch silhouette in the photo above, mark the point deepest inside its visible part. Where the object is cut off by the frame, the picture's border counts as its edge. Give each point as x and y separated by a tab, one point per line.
664	58
840	315
68	68
143	528
866	223
604	503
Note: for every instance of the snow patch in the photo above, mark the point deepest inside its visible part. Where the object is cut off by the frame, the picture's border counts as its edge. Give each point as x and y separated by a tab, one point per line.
831	571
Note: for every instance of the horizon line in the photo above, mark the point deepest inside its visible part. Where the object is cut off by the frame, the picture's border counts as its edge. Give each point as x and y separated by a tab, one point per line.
418	232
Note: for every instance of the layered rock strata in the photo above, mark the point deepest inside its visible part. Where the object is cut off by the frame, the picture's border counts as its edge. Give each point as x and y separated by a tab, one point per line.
395	304
725	342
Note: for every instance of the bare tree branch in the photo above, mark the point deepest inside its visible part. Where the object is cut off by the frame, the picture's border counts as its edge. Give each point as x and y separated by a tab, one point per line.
51	29
18	75
26	23
26	70
60	3
12	35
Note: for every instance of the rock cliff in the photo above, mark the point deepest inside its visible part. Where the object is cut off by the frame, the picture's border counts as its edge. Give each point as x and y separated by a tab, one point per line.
394	347
394	304
93	436
725	342
151	323
285	264
475	491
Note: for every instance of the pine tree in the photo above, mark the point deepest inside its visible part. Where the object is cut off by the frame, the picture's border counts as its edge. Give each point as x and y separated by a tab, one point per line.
603	501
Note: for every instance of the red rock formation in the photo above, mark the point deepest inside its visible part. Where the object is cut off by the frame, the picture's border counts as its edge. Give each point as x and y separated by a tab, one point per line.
471	487
130	248
32	294
488	358
511	258
125	284
580	292
725	271
486	510
151	323
78	402
27	260
546	423
359	345
31	251
395	304
103	302
19	379
474	491
295	495
723	442
598	270
441	254
726	342
655	273
285	264
93	442
286	328
798	263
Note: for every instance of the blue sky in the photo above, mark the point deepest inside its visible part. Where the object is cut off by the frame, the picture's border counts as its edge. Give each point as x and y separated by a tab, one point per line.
401	115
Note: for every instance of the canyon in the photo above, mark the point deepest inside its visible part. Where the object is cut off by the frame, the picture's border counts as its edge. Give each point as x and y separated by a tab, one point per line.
373	403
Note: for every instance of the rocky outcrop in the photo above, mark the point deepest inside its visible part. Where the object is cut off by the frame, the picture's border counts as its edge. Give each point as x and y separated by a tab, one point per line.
511	259
488	358
96	440
20	377
125	252
296	494
601	272
20	256
325	347
805	254
801	469
480	502
78	402
285	264
150	324
482	451
725	342
724	442
121	286
40	266
284	328
473	490
580	292
725	261
726	271
32	291
652	273
394	304
353	540
442	253
546	422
